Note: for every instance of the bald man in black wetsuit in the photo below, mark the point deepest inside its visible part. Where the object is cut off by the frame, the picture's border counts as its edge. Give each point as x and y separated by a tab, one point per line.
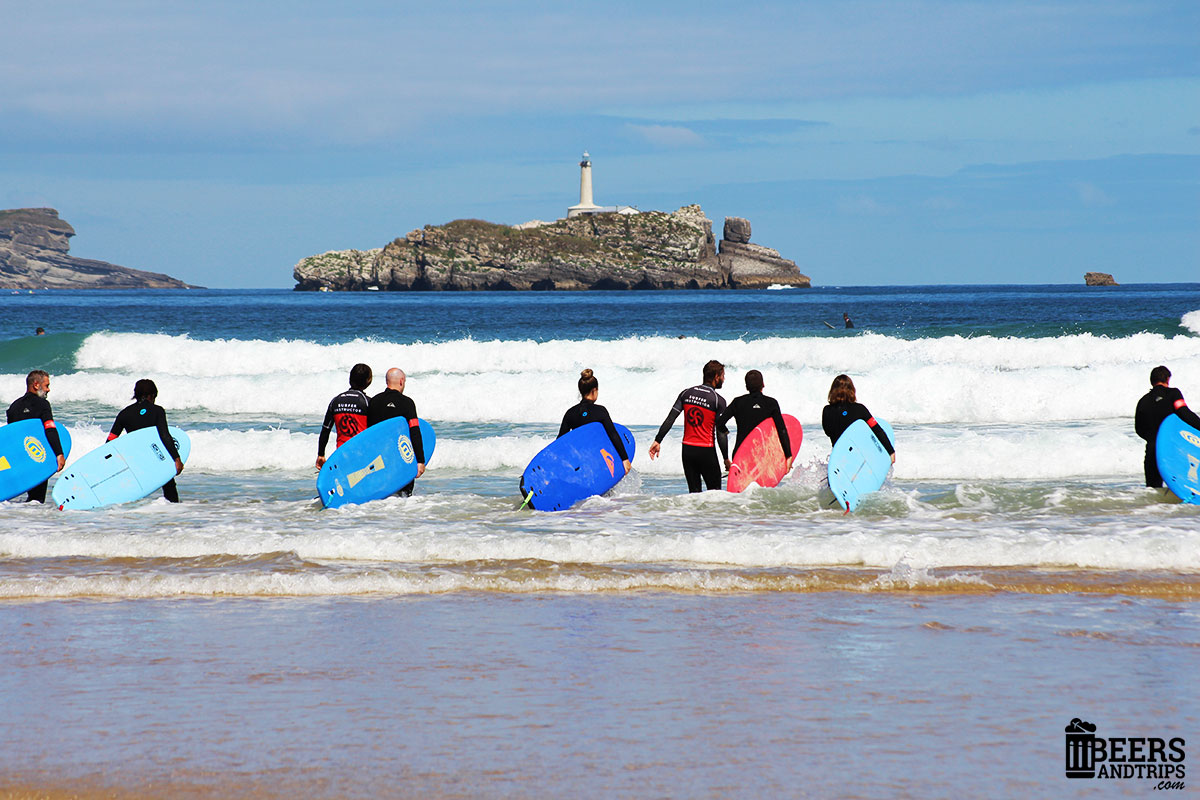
392	402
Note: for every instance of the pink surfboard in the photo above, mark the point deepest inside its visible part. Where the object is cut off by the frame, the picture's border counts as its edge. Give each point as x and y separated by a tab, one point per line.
760	459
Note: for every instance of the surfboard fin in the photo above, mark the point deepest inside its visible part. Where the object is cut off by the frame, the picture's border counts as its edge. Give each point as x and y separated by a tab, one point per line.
527	499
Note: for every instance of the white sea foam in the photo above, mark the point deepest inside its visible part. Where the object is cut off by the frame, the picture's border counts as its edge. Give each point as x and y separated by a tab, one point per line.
1191	321
951	379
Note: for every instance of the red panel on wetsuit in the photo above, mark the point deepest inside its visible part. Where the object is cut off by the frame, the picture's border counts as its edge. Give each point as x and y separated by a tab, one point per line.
348	425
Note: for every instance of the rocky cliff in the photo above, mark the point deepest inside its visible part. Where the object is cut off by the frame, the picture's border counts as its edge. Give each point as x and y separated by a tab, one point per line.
650	250
33	255
1098	279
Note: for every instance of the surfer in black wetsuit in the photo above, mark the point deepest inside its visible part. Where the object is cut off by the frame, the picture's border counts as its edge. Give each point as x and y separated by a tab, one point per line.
700	406
34	405
145	414
1155	406
393	402
348	412
750	410
846	318
586	411
843	409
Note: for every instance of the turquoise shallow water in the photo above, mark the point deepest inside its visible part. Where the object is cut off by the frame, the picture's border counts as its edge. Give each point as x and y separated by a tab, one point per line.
1011	575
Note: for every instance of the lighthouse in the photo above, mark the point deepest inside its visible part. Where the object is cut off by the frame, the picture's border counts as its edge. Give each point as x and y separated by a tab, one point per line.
586	206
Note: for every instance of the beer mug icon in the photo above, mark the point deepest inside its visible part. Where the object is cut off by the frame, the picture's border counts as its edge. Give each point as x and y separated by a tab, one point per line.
1081	755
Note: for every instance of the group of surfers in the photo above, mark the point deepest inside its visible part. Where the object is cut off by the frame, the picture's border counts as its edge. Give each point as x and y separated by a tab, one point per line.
705	414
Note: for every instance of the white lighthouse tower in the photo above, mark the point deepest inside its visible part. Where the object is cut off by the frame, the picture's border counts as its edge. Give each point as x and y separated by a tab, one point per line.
586	206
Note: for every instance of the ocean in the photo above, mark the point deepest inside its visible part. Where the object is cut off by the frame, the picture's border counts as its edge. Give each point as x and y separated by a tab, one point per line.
1013	574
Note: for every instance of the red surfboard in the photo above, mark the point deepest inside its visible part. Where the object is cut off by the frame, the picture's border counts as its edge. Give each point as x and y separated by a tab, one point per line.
760	459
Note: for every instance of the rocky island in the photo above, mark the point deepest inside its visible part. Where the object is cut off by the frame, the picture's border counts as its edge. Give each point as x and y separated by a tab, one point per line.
33	255
1098	279
607	250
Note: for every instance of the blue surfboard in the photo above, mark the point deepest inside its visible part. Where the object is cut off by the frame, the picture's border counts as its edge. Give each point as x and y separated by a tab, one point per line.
25	456
1177	450
581	463
373	464
859	464
126	469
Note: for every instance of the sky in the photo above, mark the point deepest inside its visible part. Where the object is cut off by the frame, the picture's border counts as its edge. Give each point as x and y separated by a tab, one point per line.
873	143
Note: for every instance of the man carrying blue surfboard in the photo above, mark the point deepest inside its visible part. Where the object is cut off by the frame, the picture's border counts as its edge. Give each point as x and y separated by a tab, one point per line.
34	405
347	412
143	413
1152	410
391	403
700	406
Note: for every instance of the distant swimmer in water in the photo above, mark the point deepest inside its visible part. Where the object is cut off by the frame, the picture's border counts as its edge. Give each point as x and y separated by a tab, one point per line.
846	318
1155	406
586	411
751	409
393	402
145	414
348	412
40	332
700	406
844	409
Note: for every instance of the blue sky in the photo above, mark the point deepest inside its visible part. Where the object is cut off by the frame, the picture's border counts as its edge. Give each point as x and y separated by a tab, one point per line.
944	141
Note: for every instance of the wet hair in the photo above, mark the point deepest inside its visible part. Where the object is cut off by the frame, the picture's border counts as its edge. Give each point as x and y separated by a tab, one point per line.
754	381
587	383
360	376
39	331
35	376
712	369
842	390
1159	374
145	390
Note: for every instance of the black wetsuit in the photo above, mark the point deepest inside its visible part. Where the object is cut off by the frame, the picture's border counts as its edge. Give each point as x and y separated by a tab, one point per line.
586	411
348	413
389	404
849	322
838	416
32	406
749	411
700	406
147	415
1154	407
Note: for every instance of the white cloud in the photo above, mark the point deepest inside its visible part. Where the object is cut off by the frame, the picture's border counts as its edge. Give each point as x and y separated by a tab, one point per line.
666	135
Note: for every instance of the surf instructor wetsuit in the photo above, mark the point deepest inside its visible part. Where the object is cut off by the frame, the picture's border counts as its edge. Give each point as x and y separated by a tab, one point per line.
838	416
751	410
348	413
701	406
1154	407
144	414
389	404
586	411
32	406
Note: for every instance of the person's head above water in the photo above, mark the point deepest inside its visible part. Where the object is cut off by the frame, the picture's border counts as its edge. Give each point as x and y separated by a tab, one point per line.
360	376
1160	374
396	379
588	384
40	332
842	390
145	390
714	374
754	381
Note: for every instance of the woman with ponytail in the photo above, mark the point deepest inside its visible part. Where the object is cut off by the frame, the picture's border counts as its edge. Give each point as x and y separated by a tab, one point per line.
587	411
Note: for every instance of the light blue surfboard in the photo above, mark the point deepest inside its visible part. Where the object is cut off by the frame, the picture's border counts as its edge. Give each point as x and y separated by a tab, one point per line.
859	464
126	469
25	456
581	463
373	464
1177	450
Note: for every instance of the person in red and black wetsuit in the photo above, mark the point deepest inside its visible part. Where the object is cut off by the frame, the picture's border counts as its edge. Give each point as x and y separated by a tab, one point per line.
752	409
34	405
1155	406
700	406
844	409
145	414
586	411
348	412
393	402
